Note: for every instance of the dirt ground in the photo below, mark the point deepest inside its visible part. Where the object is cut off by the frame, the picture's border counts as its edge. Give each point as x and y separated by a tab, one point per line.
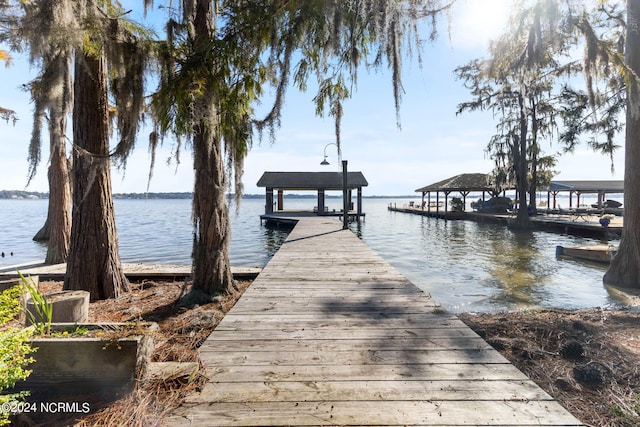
589	360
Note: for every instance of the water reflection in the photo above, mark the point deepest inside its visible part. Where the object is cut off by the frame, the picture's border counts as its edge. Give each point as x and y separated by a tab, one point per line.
516	270
273	238
469	266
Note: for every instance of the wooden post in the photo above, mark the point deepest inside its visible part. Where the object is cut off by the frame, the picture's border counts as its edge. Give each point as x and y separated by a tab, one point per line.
359	202
464	200
345	202
280	199
268	206
320	201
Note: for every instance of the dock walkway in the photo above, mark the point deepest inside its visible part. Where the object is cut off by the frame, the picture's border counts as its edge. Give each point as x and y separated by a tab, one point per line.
566	222
331	334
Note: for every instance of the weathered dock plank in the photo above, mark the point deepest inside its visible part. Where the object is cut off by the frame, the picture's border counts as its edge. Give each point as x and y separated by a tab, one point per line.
344	320
388	413
292	391
398	372
301	333
320	345
330	334
349	356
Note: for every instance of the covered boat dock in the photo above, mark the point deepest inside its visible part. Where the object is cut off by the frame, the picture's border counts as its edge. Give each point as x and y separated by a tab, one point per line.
578	188
467	183
581	220
321	182
464	184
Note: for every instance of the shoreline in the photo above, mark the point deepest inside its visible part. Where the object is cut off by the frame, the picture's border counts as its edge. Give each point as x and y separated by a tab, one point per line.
534	340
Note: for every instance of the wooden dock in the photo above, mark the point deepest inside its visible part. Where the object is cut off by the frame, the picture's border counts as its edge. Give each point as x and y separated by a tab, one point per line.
581	224
131	270
331	334
595	253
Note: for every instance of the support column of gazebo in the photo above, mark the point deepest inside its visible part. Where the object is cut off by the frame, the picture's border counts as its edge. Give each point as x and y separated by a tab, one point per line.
321	201
268	204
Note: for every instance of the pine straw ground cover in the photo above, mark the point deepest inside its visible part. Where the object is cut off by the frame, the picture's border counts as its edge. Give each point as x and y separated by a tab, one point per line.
588	360
181	332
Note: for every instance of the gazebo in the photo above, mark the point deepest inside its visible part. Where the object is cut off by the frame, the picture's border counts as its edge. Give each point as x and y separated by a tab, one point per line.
464	184
310	181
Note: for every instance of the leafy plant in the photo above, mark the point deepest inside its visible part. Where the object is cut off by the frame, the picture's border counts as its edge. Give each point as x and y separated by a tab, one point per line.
14	351
10	304
41	319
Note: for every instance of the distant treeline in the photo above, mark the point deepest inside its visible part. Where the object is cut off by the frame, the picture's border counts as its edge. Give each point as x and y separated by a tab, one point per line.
17	194
186	195
244	196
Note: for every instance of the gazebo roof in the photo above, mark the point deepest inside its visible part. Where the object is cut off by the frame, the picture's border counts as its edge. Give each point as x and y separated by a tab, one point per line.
311	180
611	186
462	182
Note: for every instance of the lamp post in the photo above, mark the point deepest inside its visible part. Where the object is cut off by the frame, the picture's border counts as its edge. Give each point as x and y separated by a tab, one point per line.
345	191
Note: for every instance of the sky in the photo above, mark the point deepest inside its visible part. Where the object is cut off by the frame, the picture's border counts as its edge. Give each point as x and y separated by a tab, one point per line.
432	144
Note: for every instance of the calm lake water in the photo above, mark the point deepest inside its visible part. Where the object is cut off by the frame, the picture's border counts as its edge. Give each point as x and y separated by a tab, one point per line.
464	265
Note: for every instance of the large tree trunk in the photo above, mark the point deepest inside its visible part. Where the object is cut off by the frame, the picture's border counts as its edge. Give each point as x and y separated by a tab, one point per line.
533	161
533	184
45	231
522	221
57	228
624	270
59	213
212	230
94	262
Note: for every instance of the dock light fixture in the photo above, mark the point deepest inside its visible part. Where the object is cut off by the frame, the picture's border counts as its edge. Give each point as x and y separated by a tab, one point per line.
325	162
345	191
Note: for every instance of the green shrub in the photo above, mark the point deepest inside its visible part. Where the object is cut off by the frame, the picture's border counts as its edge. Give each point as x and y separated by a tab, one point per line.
14	351
10	304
